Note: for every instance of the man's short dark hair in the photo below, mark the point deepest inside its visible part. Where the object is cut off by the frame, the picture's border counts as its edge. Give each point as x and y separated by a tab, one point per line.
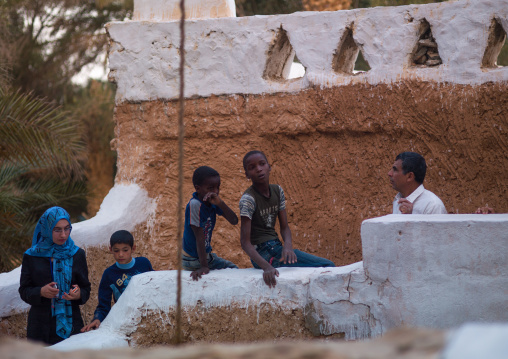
250	153
413	162
202	173
122	237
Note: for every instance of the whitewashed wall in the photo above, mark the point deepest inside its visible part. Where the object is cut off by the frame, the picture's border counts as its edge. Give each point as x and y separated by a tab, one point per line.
446	269
229	55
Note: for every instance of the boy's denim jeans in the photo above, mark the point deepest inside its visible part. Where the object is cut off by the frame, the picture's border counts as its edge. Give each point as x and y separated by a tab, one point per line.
271	251
214	262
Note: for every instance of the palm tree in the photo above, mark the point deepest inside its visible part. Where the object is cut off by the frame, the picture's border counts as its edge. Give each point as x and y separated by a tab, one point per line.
41	158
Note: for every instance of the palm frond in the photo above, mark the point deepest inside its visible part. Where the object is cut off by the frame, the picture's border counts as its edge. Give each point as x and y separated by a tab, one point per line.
39	134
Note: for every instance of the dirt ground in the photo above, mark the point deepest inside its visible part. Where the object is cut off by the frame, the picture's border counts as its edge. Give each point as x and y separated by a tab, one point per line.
400	344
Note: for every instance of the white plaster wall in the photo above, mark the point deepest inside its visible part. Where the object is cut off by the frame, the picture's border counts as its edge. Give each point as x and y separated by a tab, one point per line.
445	269
228	55
125	206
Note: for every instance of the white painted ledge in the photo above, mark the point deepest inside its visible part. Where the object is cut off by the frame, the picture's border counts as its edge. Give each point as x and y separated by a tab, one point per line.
447	269
156	291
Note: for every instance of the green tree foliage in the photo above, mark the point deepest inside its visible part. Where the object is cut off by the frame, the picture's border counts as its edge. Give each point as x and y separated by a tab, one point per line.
53	40
267	7
502	59
43	153
40	166
93	107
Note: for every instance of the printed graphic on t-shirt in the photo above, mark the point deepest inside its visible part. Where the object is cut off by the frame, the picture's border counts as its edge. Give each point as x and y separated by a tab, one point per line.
269	215
121	283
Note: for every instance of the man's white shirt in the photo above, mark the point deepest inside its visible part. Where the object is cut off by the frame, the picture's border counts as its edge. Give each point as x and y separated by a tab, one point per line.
424	202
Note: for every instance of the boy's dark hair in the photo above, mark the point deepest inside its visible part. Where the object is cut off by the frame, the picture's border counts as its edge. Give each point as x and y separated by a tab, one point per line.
122	237
413	162
250	153
202	173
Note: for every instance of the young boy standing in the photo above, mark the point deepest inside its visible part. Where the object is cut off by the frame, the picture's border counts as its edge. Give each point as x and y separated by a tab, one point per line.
200	217
260	206
116	278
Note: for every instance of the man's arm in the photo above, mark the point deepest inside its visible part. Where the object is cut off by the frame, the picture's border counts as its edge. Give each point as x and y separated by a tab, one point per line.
288	255
269	272
203	258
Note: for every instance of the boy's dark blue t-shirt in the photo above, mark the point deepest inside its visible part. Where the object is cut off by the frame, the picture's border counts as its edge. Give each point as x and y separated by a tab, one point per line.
113	283
199	214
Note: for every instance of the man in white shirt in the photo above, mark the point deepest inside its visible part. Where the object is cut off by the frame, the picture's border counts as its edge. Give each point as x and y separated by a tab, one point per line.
406	177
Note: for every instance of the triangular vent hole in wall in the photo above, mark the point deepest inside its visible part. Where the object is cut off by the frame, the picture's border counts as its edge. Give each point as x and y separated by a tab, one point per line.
348	58
496	52
281	63
426	53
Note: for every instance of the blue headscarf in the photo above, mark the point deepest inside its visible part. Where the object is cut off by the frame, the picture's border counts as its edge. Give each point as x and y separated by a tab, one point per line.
43	246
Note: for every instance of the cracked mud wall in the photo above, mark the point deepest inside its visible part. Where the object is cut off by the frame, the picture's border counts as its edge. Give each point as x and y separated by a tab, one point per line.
330	150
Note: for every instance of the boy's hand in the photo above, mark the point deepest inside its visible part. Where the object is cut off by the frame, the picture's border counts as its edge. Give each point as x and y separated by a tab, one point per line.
212	198
288	256
199	272
93	325
269	275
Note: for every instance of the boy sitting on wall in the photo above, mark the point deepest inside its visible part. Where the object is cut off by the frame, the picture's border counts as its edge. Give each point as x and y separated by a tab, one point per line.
200	217
260	206
116	278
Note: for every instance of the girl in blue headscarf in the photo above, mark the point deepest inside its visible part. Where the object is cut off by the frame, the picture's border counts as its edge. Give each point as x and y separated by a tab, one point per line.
54	279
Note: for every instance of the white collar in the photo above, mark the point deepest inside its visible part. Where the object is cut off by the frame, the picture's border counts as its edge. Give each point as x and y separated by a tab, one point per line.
414	195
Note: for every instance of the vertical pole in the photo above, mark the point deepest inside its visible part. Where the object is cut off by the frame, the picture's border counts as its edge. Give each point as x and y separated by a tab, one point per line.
181	134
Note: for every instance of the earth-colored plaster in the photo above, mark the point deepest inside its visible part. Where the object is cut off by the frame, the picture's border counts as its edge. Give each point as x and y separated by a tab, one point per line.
232	324
330	150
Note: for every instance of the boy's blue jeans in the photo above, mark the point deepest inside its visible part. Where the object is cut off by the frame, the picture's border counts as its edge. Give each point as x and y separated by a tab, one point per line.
214	262
271	251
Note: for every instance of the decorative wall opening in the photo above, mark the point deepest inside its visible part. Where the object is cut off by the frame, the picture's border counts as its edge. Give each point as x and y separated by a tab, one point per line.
495	42
347	53
425	53
361	65
281	59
